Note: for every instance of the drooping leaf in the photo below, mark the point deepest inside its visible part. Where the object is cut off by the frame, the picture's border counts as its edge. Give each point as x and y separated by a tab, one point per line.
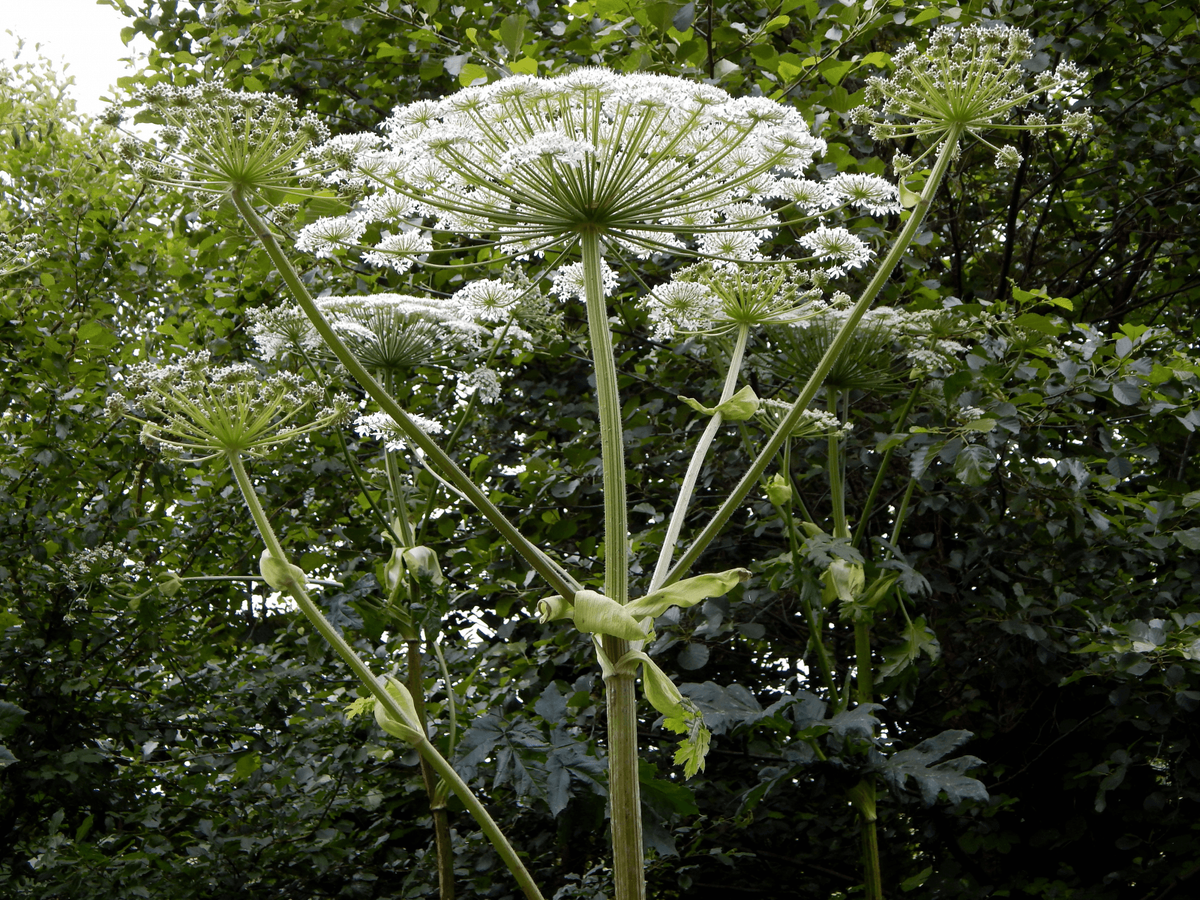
687	592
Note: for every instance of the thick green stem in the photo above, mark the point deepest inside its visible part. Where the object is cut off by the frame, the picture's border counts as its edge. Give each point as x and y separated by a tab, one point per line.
565	586
874	286
697	464
624	790
364	674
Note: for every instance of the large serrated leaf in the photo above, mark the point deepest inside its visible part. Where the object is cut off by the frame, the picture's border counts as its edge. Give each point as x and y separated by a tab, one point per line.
724	708
917	763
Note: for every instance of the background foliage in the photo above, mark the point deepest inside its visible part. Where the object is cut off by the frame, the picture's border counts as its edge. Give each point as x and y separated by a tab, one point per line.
196	745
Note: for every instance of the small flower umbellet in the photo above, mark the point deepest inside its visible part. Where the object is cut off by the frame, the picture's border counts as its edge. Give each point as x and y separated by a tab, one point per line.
201	413
970	80
708	299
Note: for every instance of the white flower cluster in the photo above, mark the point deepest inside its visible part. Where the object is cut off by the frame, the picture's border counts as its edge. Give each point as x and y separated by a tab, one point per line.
395	332
838	247
648	161
18	253
187	407
485	381
812	423
567	282
379	426
99	563
713	299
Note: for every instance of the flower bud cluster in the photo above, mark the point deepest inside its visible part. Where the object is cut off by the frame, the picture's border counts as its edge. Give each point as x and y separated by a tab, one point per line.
215	140
970	79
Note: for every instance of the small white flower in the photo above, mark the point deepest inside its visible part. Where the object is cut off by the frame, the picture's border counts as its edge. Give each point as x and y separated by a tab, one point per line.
380	426
400	251
868	192
567	282
681	305
1008	157
547	147
810	196
322	237
485	382
488	299
838	246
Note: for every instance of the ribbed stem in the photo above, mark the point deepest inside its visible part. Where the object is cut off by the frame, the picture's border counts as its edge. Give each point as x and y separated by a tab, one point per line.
624	790
364	674
870	292
697	464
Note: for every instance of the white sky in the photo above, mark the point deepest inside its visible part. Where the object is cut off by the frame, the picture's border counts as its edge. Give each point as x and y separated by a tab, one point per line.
80	34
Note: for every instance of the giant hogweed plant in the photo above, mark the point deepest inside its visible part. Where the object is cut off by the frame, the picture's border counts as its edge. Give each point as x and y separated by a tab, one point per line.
569	181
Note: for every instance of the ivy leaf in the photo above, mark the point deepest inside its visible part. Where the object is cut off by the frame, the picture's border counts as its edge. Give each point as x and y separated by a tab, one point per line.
916	763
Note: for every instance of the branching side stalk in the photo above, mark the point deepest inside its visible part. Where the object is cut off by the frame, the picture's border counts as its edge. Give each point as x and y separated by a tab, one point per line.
624	791
697	464
364	674
870	292
553	576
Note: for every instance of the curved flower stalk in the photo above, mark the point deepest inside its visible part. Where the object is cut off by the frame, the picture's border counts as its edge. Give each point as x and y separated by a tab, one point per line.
233	412
968	81
715	300
215	140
